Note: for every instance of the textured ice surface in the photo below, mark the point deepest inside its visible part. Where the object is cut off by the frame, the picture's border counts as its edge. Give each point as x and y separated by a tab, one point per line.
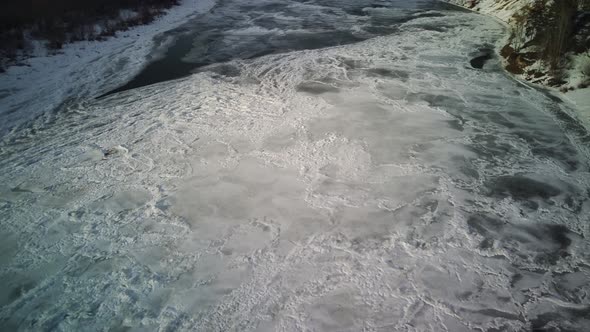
246	29
380	186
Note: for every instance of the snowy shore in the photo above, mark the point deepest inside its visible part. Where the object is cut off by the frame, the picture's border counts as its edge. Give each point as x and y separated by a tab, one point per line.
83	69
505	11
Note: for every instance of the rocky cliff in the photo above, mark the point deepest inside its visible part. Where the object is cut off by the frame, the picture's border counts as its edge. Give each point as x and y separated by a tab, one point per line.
549	42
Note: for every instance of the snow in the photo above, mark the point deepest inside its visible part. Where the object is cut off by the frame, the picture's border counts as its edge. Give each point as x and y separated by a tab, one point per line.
577	74
501	9
579	70
378	186
581	99
83	69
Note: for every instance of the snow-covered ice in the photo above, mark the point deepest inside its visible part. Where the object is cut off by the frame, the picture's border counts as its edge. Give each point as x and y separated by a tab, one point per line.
383	185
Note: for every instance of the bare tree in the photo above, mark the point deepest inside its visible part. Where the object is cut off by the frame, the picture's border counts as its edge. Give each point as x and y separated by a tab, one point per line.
519	30
563	12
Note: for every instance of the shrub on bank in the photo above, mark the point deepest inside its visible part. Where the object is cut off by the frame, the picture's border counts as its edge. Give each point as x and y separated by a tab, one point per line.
63	21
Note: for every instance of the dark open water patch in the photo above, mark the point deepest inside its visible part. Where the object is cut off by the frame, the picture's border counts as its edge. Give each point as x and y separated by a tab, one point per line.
480	61
246	30
316	88
546	244
521	188
167	68
482	57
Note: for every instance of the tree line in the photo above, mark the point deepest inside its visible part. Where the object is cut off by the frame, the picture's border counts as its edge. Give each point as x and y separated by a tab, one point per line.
63	21
550	31
555	27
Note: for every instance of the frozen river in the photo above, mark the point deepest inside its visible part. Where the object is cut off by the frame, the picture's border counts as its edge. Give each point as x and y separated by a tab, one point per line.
328	166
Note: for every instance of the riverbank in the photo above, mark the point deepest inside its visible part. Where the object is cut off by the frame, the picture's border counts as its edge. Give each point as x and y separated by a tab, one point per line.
83	69
42	27
572	80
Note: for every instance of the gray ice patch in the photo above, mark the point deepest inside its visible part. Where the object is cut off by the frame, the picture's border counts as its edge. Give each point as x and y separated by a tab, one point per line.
316	88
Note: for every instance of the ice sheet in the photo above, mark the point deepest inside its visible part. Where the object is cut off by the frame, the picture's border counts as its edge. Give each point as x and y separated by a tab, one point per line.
381	186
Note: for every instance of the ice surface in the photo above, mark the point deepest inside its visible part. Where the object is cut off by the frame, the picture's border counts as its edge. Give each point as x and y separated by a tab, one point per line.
383	185
247	29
